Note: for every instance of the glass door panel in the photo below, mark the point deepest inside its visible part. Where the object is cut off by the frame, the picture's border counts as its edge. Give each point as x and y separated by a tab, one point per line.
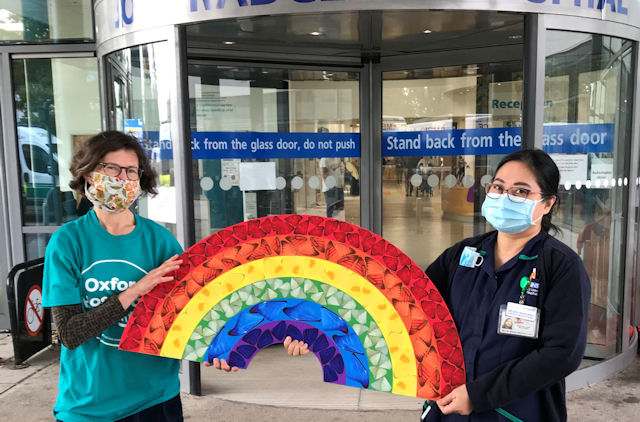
588	87
57	108
269	141
140	105
444	131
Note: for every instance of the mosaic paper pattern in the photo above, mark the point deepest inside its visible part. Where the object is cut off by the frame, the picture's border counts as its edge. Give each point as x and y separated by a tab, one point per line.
364	325
336	345
404	335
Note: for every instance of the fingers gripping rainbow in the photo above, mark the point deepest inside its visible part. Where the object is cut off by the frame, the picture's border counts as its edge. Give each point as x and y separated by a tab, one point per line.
369	314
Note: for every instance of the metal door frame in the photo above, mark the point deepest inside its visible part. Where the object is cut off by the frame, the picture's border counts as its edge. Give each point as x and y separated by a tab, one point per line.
12	244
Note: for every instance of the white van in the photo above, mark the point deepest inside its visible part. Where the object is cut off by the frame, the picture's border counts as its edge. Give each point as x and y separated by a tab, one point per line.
38	161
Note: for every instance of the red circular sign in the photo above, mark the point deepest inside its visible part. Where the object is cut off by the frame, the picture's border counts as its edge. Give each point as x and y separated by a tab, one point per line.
33	311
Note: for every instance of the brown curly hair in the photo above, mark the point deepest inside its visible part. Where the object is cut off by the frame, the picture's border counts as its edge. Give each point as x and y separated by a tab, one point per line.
93	150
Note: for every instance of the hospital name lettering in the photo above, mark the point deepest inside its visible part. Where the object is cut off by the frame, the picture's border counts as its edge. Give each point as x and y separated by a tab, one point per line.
614	6
219	4
124	11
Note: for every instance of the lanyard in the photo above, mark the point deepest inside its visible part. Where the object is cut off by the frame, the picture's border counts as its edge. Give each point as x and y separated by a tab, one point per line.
525	281
508	415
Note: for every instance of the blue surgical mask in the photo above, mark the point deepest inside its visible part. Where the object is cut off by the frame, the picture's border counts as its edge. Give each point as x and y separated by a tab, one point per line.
507	216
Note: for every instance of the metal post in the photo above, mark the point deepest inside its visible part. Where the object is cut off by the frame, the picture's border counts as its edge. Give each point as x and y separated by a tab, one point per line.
12	171
631	309
181	137
5	243
374	158
533	85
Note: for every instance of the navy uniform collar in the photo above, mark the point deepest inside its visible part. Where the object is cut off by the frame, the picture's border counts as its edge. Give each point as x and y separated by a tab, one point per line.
528	253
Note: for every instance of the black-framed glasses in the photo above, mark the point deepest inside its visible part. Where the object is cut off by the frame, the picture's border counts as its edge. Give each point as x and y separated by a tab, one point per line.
114	170
514	193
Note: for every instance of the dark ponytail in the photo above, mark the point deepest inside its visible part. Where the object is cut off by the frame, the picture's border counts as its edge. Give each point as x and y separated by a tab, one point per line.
547	176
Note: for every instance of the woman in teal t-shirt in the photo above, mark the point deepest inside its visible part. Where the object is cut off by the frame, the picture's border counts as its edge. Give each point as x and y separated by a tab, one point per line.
96	268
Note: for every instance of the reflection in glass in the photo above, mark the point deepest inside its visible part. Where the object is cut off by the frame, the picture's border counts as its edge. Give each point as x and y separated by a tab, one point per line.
57	108
272	103
35	245
344	33
435	200
141	106
589	80
45	20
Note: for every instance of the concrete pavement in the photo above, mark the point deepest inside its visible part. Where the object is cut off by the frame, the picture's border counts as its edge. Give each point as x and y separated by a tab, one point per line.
266	393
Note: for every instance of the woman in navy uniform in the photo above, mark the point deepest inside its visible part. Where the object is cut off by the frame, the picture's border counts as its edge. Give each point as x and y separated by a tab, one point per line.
520	300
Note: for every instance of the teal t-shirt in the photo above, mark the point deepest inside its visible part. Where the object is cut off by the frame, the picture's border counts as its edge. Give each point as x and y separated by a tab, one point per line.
84	264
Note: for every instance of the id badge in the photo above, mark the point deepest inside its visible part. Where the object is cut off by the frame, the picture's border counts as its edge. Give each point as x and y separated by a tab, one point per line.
518	320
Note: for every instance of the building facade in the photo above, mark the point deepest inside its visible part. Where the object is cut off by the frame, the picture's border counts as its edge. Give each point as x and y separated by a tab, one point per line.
389	115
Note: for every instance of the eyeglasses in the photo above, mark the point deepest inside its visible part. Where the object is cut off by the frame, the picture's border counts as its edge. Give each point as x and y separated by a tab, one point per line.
514	193
114	170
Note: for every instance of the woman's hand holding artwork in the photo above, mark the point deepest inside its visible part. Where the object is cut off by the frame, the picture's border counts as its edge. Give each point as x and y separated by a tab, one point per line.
456	401
221	364
148	282
293	348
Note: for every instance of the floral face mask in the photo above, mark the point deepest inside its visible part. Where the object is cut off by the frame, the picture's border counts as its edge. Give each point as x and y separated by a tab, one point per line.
111	194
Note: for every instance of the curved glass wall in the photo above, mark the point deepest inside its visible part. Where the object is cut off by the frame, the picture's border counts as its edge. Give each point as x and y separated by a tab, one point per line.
34	21
387	33
588	88
140	104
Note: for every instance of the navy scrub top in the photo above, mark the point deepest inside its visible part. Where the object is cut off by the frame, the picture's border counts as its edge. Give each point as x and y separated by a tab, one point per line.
474	301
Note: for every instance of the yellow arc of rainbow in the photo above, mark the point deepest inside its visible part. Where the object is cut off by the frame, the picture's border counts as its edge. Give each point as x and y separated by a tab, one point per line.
403	359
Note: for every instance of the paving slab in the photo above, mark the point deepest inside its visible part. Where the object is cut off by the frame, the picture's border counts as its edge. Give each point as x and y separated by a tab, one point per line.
614	399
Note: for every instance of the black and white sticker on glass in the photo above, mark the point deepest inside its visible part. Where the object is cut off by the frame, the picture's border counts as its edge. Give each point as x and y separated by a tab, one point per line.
33	311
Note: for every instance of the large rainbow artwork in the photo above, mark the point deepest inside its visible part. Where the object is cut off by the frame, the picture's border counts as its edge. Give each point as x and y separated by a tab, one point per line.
367	311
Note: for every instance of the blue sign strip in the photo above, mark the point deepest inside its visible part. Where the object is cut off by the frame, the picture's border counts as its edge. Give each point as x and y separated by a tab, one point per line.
578	138
558	139
451	142
156	148
207	145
